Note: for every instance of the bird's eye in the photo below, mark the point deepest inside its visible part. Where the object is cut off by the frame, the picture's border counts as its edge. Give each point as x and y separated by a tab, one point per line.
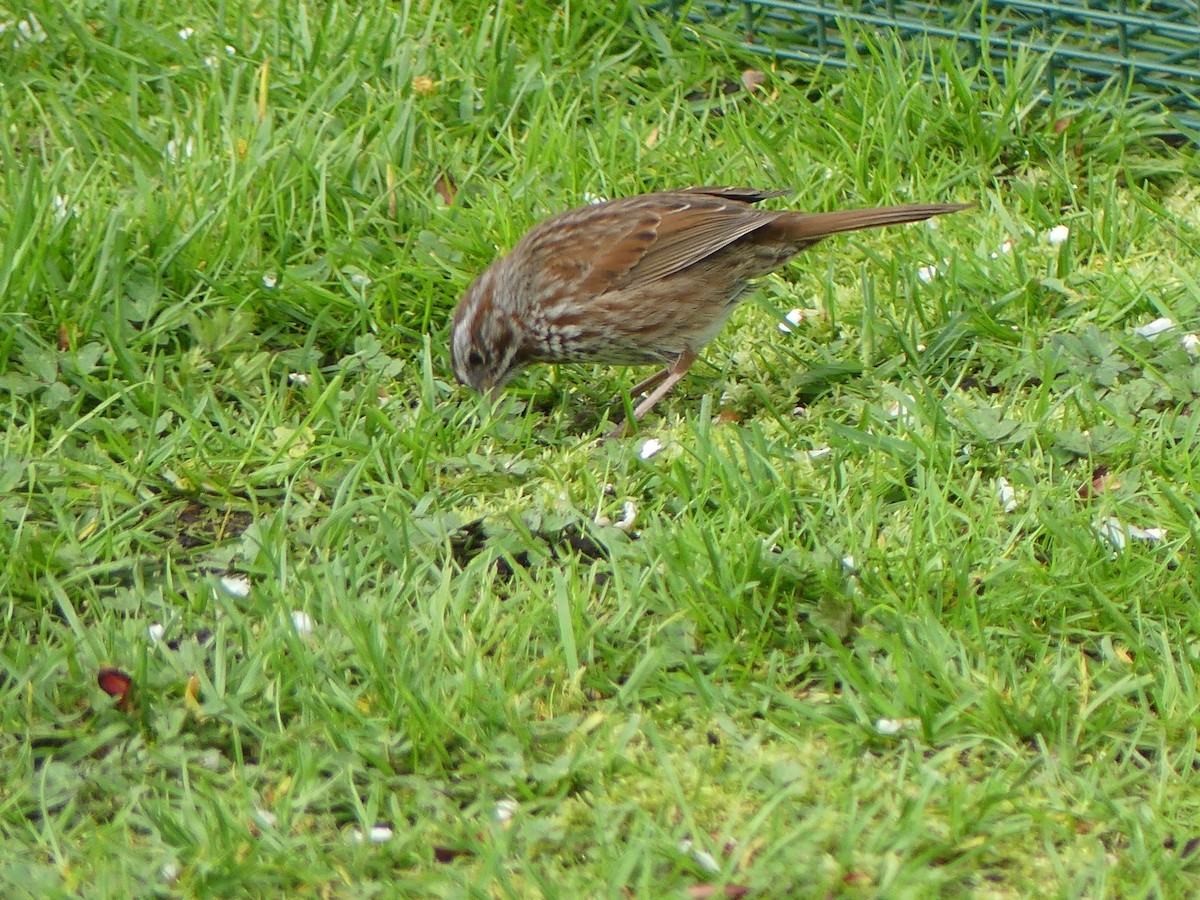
475	359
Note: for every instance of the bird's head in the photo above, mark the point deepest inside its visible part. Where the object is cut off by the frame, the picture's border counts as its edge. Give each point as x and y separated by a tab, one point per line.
485	342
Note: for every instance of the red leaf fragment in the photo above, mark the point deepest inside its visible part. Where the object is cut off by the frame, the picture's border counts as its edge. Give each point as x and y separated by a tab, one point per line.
117	684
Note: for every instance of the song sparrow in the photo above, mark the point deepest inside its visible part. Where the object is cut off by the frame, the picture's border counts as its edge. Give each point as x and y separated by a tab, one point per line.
646	279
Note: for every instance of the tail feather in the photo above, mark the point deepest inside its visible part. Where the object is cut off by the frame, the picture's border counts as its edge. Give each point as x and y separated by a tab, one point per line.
811	226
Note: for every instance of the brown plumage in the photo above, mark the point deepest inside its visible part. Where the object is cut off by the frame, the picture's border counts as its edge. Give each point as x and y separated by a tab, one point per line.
646	279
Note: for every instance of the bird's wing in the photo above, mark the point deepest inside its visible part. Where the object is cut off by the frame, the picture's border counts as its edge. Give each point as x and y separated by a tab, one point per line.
625	244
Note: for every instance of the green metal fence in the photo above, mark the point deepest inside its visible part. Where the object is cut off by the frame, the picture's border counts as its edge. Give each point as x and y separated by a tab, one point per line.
1154	44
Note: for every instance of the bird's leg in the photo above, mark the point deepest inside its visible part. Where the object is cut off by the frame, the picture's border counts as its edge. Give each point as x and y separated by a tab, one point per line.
642	386
665	380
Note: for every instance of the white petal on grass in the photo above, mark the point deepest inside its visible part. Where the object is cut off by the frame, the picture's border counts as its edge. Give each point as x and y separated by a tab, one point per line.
505	810
629	513
1112	532
358	279
703	858
175	150
270	279
265	818
155	632
818	452
592	199
1058	235
792	319
31	30
62	207
185	34
236	585
927	273
302	622
211	760
1005	248
902	411
298	378
376	834
212	62
1006	495
650	447
889	727
1151	535
1191	343
1151	330
1117	534
169	872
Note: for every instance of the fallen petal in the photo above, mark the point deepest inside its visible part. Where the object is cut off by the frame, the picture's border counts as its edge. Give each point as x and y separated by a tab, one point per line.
1112	532
629	513
1006	495
236	585
376	834
1151	535
1153	329
302	622
505	810
649	447
793	318
704	859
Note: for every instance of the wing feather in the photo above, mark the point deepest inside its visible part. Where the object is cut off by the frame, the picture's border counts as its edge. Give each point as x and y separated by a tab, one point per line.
628	243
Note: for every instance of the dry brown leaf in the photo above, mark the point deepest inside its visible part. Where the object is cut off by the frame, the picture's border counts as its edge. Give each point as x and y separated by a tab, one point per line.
652	138
448	854
1102	483
708	891
191	696
752	79
423	85
446	188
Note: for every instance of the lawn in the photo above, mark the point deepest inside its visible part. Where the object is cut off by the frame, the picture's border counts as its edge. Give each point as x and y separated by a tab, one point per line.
896	600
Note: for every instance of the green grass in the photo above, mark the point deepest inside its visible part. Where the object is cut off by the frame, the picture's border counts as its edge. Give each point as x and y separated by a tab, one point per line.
226	273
